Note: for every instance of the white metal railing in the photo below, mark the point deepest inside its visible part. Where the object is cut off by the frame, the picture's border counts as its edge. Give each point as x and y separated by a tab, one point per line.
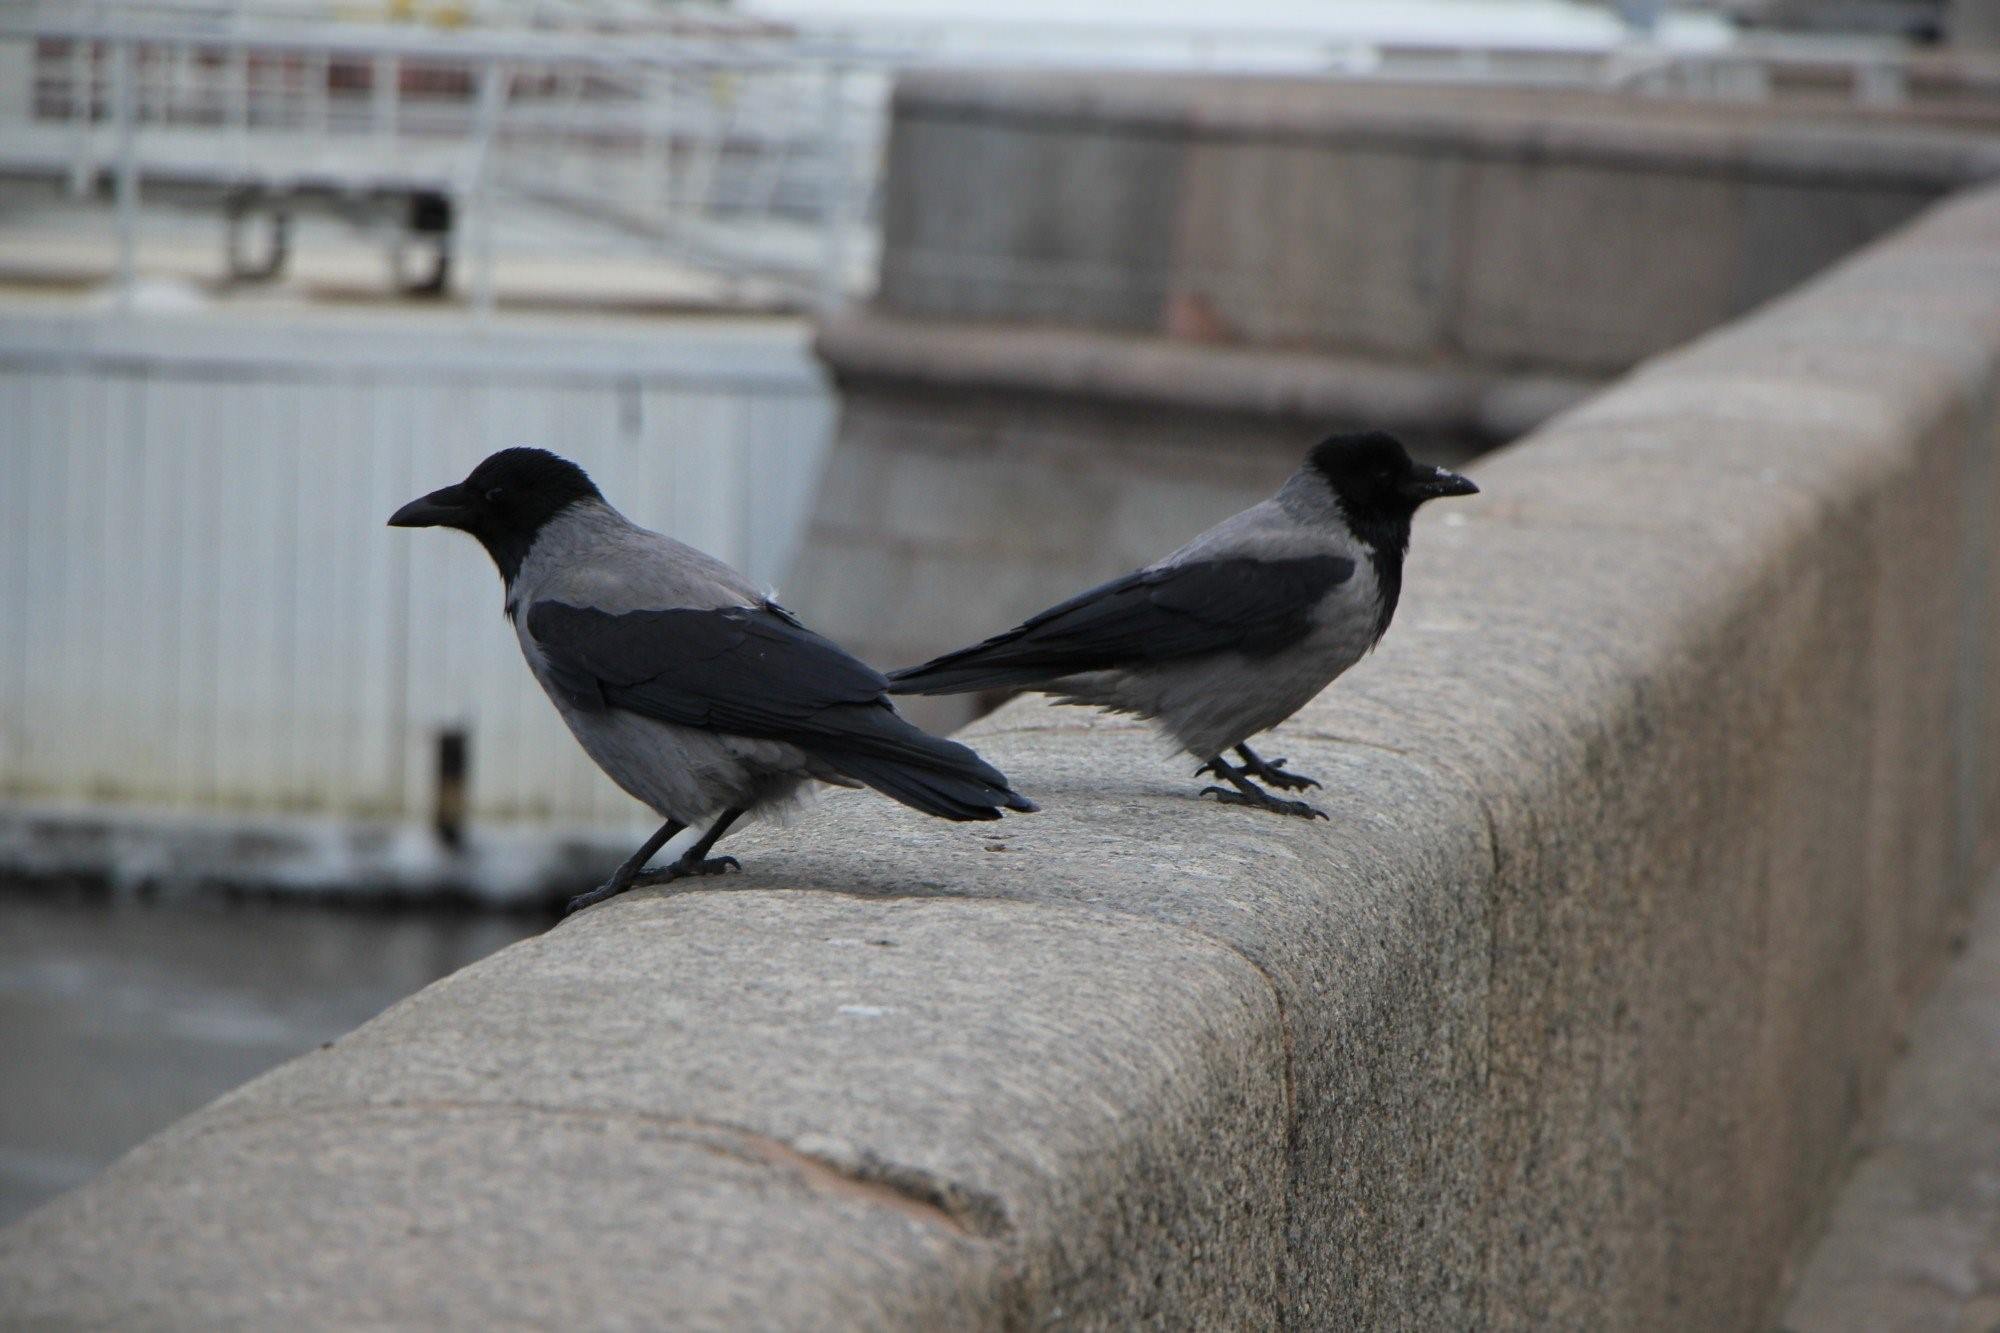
1868	71
751	153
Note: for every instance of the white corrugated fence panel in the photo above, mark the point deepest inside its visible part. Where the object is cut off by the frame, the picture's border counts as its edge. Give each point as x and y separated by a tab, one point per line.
208	611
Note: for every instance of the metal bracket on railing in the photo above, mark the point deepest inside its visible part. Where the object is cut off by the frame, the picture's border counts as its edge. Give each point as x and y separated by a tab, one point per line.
127	172
430	217
493	81
240	208
833	189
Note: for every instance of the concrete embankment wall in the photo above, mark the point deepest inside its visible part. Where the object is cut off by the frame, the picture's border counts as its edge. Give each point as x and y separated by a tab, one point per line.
1649	822
1554	228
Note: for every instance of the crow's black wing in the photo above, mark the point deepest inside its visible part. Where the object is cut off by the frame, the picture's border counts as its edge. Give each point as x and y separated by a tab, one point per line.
1253	606
749	671
757	672
1155	615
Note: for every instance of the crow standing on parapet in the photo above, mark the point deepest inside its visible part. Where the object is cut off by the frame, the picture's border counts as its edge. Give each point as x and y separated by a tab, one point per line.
1237	630
692	689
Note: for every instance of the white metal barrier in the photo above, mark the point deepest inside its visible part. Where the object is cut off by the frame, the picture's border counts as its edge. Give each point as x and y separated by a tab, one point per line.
206	610
744	150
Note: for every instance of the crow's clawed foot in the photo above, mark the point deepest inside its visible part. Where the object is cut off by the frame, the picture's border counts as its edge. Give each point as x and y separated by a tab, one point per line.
1272	771
686	868
1259	800
610	888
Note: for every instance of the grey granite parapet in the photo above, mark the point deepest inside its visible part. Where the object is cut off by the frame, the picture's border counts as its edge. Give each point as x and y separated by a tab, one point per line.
1650	822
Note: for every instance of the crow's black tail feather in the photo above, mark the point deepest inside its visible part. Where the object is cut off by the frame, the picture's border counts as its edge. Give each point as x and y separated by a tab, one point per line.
970	677
928	773
999	663
945	795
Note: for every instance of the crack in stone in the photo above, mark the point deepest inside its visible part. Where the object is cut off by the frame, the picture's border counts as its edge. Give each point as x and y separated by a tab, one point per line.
913	1191
919	1189
1329	738
1288	1077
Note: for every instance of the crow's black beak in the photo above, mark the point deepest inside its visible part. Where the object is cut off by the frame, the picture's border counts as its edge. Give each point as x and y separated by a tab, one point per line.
1436	483
440	509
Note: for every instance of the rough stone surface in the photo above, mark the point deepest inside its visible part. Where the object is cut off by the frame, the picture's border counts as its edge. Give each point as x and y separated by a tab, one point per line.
1651	823
1913	1243
1380	991
478	1217
1974	23
720	1107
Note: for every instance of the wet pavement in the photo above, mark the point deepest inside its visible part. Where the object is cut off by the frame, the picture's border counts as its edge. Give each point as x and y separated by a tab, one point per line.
120	1015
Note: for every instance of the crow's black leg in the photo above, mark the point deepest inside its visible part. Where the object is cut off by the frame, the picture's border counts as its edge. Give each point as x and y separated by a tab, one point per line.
696	859
1249	793
621	879
1272	771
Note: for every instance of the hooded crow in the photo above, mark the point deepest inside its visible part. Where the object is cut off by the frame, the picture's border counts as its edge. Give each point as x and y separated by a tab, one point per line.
1237	630
684	681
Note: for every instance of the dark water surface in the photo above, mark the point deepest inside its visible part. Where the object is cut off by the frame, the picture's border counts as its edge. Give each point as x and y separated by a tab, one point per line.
118	1016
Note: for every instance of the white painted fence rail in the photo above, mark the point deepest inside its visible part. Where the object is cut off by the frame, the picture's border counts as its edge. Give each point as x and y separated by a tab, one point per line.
736	147
205	610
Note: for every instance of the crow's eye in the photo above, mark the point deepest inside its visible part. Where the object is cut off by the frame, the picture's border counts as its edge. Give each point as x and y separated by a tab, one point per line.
494	496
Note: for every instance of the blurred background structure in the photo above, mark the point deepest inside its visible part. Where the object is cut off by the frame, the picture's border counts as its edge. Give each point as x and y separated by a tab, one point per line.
269	267
1079	281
